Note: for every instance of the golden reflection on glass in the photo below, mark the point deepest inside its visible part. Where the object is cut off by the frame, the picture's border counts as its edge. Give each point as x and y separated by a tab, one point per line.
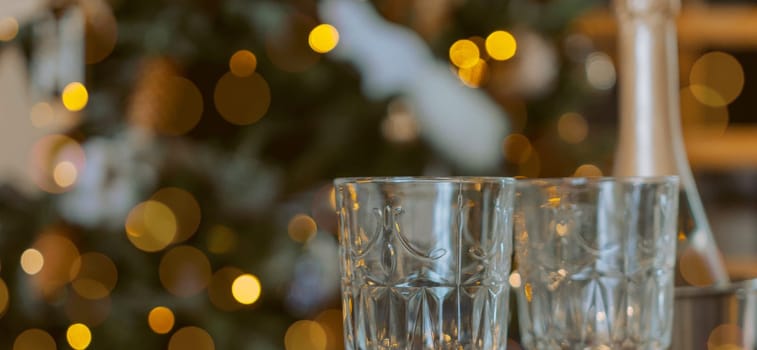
151	226
184	271
185	209
34	339
246	289
515	280
242	101
161	320
302	228
464	53
194	338
572	128
323	38
716	79
587	170
8	28
243	63
501	45
93	275
78	336
305	335
220	289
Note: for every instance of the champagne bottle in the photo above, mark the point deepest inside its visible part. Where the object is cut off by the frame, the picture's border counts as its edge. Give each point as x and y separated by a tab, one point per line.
650	140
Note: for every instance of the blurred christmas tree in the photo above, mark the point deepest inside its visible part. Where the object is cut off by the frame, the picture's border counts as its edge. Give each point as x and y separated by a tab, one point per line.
189	204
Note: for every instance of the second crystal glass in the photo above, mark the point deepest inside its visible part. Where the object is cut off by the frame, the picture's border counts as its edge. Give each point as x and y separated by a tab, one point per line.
595	258
425	262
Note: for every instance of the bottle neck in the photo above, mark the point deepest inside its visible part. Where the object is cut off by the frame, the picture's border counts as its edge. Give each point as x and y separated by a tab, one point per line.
649	102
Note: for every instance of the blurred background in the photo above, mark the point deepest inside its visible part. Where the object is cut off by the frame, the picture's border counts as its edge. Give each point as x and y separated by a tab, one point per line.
166	166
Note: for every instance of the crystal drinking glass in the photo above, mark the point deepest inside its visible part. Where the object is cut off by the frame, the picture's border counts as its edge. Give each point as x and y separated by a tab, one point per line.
425	262
595	260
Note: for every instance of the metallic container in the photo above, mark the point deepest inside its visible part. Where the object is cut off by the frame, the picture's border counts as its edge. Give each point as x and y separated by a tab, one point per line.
716	317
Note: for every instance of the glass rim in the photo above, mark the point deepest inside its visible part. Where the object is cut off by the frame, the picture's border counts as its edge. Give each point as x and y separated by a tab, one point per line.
423	179
578	180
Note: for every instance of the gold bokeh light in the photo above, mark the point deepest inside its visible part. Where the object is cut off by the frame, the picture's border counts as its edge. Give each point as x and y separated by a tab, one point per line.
185	209
587	170
151	226
220	289
302	228
243	63
56	162
8	28
727	336
75	96
101	30
501	45
242	100
32	261
34	339
716	79
65	174
194	338
161	319
305	335
246	289
693	268
323	38
464	53
94	275
700	119
184	271
331	322
572	128
59	254
517	148
78	336
4	298
474	76
221	239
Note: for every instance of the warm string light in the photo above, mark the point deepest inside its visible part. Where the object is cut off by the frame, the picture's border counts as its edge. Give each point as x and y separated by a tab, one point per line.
4	298
78	336
323	38
8	28
75	96
305	335
246	289
302	228
161	320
